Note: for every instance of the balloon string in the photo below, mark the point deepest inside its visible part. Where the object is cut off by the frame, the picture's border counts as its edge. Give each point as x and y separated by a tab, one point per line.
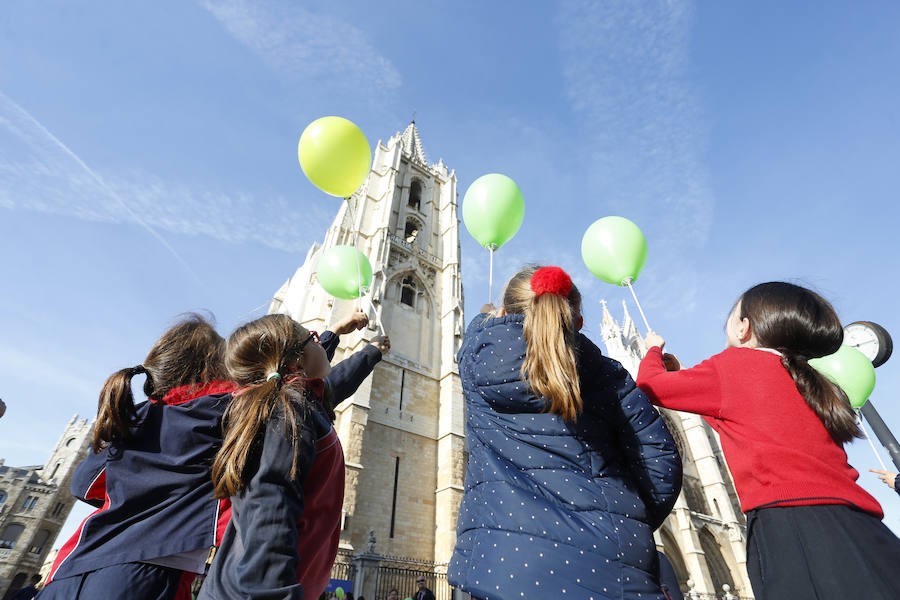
491	276
866	434
355	232
641	310
361	290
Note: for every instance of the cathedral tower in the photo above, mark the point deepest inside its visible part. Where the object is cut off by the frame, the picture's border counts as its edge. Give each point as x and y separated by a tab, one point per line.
403	432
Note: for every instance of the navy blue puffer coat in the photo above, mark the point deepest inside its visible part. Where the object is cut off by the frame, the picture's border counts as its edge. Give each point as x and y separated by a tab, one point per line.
556	510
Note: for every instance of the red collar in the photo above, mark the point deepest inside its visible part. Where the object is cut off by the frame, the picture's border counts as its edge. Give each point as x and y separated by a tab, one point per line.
186	393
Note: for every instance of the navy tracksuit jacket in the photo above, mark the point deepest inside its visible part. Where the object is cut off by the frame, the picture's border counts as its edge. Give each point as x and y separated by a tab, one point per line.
554	509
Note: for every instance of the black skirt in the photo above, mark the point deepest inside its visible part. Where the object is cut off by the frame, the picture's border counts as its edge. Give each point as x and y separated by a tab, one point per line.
821	552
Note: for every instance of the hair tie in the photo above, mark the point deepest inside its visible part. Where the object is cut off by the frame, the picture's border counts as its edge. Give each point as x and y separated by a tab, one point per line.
139	369
551	280
271	376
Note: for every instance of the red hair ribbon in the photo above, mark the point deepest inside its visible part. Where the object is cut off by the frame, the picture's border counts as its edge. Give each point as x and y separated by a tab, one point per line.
551	280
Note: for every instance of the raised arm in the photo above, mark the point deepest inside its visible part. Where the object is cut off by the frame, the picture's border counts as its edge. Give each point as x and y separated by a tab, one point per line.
352	322
695	390
346	376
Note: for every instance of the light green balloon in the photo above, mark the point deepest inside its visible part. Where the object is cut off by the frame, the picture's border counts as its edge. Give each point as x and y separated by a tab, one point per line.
339	592
850	369
335	155
493	209
614	249
339	274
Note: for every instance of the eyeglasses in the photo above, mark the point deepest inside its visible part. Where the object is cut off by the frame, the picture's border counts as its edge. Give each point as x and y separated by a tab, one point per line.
313	335
420	581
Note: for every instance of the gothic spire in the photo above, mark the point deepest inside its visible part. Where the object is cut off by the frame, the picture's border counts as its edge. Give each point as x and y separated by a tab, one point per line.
412	143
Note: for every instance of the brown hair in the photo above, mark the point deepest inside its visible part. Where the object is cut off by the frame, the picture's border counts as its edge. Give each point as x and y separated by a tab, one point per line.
190	352
270	344
801	325
550	365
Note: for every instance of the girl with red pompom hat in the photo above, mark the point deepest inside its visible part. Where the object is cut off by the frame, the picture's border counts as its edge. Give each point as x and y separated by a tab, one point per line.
570	467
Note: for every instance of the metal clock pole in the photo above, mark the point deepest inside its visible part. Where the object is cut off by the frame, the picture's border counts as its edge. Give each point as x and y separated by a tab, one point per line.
882	432
875	342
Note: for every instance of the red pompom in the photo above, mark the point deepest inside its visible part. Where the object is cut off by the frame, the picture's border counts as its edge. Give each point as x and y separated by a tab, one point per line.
551	280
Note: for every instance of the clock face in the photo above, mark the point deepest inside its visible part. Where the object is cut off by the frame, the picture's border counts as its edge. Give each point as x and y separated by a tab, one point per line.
863	338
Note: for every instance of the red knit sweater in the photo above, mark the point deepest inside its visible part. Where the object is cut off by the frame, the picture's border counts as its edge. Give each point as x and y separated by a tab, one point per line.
778	450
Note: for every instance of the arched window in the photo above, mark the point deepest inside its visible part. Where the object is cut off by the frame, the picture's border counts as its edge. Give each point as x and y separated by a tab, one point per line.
412	231
11	536
2	496
718	568
415	194
40	540
408	291
70	442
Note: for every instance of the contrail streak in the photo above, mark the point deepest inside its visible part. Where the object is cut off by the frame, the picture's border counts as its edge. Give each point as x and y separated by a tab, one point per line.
9	107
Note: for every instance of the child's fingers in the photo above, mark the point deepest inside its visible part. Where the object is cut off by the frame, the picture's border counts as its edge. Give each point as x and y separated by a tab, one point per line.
881	472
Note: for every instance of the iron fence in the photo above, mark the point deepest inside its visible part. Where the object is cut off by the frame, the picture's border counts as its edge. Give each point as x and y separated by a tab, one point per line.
404	579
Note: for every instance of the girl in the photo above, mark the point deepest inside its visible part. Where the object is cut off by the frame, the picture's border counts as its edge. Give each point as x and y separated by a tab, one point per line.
812	531
149	476
570	467
281	462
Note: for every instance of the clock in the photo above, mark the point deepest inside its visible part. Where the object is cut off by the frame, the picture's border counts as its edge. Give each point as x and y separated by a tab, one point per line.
871	339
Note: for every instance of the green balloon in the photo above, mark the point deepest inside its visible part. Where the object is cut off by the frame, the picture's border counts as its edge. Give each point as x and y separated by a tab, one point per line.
493	209
339	592
339	272
614	249
335	155
850	369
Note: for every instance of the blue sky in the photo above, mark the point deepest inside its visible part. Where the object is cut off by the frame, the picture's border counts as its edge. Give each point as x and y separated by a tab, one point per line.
148	162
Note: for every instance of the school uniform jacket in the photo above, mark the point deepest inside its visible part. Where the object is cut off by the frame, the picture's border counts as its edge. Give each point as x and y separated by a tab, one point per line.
262	557
554	509
154	495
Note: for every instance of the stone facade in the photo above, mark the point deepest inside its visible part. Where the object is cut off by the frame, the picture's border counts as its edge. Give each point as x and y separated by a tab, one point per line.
34	503
403	432
705	536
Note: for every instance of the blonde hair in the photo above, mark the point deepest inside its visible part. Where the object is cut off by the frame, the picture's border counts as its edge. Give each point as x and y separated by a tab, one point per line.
550	366
270	344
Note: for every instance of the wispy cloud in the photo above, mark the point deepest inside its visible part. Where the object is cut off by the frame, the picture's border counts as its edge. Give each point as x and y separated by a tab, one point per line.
39	172
302	44
625	67
49	157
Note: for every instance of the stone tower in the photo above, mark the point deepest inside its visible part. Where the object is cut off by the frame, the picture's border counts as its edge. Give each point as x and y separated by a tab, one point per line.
705	536
403	432
34	503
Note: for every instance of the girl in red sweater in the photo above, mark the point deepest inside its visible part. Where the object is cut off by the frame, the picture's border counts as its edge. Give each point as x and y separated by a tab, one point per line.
812	532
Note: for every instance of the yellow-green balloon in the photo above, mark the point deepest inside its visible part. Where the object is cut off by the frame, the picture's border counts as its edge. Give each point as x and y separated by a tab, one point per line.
614	249
335	155
339	273
493	209
339	592
850	369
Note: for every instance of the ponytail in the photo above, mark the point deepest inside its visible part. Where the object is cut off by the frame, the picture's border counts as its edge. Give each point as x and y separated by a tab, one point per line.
801	324
258	355
550	303
189	353
244	424
824	397
550	366
115	409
